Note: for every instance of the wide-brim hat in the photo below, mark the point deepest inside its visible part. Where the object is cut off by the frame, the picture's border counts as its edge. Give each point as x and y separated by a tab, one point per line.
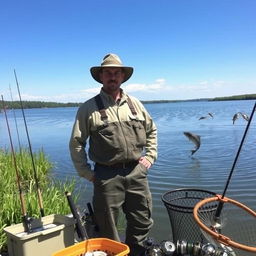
111	60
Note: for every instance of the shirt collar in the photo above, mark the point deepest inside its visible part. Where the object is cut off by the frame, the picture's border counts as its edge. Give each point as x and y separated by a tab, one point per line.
109	98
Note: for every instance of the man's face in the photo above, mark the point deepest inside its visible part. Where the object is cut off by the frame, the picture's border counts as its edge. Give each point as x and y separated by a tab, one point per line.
111	78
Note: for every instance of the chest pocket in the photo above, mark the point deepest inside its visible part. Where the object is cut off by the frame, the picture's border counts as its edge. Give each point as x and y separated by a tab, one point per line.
137	130
133	129
108	139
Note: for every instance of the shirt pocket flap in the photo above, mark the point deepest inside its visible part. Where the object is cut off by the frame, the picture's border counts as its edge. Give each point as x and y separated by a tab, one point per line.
137	117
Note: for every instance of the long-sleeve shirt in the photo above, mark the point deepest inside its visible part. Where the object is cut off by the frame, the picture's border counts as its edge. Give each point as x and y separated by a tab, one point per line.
125	137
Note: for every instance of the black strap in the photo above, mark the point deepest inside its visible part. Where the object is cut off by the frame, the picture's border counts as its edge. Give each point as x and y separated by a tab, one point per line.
101	107
131	106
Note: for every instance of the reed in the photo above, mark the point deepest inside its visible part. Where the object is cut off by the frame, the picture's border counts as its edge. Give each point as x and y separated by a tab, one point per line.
53	190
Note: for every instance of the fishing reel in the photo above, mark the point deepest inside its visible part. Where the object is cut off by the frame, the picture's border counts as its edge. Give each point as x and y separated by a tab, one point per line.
28	223
89	223
184	248
162	249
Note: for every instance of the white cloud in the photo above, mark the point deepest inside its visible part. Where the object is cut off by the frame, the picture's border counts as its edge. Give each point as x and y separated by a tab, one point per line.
160	80
159	90
201	89
158	85
91	90
80	96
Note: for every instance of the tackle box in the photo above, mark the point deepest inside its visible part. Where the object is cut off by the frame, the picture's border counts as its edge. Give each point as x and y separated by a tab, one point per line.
49	234
110	247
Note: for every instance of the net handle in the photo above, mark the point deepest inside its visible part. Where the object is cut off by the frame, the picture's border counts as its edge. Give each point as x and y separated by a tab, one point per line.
219	237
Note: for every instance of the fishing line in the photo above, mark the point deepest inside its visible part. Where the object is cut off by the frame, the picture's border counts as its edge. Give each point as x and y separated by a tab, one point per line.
220	205
15	120
31	153
25	218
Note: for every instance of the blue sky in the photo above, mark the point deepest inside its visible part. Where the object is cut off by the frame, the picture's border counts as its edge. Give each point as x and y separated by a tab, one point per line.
180	49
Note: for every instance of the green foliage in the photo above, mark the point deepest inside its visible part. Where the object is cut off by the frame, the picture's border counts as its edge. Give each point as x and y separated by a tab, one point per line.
38	104
54	200
43	104
237	97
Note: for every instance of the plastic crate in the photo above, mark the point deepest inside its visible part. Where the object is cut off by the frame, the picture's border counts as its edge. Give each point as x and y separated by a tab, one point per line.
50	233
109	246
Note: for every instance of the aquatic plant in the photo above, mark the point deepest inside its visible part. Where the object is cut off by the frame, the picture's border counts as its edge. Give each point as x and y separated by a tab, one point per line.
54	200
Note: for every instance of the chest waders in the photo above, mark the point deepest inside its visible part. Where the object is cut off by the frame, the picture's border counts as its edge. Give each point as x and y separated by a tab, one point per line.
122	187
120	133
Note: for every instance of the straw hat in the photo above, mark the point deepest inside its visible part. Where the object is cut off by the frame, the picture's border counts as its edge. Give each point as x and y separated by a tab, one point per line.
111	60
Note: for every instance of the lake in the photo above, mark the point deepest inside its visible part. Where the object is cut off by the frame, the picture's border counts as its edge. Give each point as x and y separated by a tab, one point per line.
208	168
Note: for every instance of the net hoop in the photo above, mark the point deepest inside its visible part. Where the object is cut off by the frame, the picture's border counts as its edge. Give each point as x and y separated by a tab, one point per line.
219	237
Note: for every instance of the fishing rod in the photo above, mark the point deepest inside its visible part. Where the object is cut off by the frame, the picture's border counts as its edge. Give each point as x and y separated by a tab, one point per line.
31	153
220	205
15	120
80	229
25	218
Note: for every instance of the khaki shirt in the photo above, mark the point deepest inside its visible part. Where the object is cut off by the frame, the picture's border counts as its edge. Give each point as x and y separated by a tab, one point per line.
125	137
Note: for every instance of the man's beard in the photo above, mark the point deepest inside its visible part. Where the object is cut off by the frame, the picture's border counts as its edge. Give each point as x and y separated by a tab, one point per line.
112	85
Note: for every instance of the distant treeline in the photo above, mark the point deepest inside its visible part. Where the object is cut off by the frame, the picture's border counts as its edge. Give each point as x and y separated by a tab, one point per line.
38	104
43	104
170	101
237	97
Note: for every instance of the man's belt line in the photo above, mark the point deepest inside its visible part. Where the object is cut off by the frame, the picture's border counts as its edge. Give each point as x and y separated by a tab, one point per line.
123	165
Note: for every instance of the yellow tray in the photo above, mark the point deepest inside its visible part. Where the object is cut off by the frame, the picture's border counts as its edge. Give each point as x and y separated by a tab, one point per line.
109	246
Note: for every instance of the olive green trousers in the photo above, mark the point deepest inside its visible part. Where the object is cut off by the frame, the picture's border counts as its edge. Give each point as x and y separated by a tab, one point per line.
127	190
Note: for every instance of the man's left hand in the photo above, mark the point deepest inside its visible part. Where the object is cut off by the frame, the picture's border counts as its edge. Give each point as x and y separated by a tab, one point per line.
145	162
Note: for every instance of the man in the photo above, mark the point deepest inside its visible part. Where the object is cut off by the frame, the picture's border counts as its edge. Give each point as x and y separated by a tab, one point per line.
123	145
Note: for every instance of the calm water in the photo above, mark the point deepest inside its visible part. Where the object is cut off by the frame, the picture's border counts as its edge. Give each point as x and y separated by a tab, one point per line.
175	168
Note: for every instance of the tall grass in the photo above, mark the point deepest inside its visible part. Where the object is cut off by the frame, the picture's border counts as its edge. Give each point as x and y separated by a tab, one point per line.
54	200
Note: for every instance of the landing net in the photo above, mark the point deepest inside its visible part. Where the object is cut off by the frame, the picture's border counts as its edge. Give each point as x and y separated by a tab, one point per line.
234	229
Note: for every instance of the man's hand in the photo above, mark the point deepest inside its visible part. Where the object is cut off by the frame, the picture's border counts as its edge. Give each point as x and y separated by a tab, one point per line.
145	162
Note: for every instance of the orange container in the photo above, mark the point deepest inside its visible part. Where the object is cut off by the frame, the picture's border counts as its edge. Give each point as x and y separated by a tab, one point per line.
109	246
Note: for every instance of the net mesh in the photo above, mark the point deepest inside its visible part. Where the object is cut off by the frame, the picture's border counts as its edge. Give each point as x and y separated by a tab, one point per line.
235	227
180	204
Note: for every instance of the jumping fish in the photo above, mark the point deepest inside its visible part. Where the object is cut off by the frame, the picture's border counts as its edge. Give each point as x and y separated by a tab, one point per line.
195	139
210	114
238	114
205	117
244	116
202	117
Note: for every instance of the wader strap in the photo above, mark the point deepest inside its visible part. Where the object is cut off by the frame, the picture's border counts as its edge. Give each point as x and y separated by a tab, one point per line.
101	108
131	106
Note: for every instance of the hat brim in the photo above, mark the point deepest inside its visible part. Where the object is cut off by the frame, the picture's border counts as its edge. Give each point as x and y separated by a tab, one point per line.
95	72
